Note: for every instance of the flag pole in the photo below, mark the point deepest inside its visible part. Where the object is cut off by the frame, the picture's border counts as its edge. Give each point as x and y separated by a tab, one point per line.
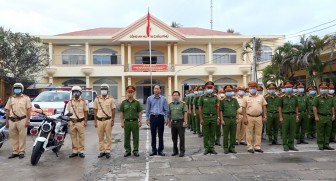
150	63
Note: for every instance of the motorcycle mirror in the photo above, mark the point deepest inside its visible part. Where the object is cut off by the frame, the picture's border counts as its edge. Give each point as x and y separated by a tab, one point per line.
69	114
66	101
37	106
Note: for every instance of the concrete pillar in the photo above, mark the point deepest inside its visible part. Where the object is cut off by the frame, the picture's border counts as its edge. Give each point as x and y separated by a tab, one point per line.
210	77
51	80
87	81
209	60
245	80
169	54
129	81
122	47
169	89
245	55
175	53
129	54
123	88
87	53
175	83
50	53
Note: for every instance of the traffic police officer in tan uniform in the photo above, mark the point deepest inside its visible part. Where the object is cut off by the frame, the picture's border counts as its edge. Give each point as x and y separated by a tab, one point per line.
78	121
104	108
18	119
241	127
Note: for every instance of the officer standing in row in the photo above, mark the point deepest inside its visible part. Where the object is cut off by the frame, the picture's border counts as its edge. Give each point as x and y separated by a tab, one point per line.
333	127
18	111
241	127
194	126
131	117
177	115
311	124
219	126
324	113
301	126
209	117
272	114
78	121
228	113
288	115
189	113
196	110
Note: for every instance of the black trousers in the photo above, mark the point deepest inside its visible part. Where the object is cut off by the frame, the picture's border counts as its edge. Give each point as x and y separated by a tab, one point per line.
177	130
157	127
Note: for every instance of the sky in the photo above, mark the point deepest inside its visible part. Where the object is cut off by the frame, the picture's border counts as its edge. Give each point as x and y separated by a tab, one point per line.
248	17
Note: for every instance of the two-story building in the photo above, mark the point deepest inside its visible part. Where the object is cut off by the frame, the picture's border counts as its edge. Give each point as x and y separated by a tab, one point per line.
181	58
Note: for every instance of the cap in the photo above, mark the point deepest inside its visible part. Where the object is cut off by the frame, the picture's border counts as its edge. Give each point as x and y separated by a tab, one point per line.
200	88
260	88
252	84
209	83
130	88
323	85
228	88
300	85
311	88
241	88
288	84
247	90
331	86
271	86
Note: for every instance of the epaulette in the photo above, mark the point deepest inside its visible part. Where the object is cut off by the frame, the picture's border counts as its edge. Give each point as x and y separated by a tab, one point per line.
183	102
318	95
267	95
295	94
330	95
283	95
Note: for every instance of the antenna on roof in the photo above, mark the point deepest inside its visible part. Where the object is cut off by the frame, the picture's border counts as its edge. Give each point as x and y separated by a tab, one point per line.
211	10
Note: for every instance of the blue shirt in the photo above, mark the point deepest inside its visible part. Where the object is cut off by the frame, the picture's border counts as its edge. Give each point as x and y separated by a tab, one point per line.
157	106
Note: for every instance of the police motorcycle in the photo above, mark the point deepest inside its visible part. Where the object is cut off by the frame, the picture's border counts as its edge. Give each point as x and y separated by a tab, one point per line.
50	134
4	132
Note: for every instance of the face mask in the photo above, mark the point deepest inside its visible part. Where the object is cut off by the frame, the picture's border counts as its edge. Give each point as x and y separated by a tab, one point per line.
200	92
331	91
312	92
283	90
17	91
209	91
260	92
253	91
103	92
222	95
195	92
301	90
228	94
324	91
241	93
289	90
191	94
76	94
295	90
271	91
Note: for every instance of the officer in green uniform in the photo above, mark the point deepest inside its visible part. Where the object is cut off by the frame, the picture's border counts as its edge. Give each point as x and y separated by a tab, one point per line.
228	113
193	120
177	114
324	113
303	117
272	114
196	110
288	115
311	124
189	113
131	115
219	126
209	117
333	128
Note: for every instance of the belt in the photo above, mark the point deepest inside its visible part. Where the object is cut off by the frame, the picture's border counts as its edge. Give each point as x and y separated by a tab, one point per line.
254	115
76	120
15	119
303	111
177	120
210	114
323	114
229	117
131	120
158	115
104	119
289	113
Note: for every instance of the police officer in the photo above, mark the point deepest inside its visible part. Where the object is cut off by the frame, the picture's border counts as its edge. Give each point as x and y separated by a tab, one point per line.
18	111
241	127
177	115
311	124
104	112
288	116
260	90
324	113
209	117
78	121
219	126
196	110
189	113
255	113
333	128
131	117
301	125
191	105
272	114
228	113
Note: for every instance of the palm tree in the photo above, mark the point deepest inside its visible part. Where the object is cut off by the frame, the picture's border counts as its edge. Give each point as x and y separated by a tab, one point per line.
174	24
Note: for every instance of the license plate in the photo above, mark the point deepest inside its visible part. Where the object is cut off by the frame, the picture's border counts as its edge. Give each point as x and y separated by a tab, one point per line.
37	118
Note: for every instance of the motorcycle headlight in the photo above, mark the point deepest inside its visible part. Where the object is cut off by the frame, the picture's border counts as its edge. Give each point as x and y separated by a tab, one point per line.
46	127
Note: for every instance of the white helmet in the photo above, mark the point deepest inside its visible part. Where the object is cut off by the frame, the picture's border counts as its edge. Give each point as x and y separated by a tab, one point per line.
104	86
76	88
18	85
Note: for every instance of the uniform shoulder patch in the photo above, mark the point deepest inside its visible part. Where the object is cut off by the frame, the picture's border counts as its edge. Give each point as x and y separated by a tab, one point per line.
183	102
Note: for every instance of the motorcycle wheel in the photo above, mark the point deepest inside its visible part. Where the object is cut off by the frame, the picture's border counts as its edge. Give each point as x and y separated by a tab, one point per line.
37	152
2	137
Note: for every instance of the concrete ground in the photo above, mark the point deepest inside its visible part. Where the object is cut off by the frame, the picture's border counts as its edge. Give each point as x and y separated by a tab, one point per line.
275	164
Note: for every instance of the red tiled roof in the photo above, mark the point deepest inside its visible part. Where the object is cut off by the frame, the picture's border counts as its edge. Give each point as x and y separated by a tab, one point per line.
112	31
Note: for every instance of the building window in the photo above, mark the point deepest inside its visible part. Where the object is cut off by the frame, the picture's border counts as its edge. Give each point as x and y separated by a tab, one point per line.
143	57
224	56
73	56
266	54
193	56
105	56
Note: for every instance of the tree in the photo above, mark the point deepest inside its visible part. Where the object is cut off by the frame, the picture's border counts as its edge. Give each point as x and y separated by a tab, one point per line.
174	24
230	30
22	57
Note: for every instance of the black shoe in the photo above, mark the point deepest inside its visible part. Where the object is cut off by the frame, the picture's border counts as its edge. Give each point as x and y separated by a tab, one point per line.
237	143
206	152
127	154
293	149
332	141
101	155
199	135
233	151
213	152
298	142
153	153
174	154
320	148
328	148
194	132
271	143
136	154
82	155
108	155
181	154
259	150
73	155
162	154
251	150
218	144
304	142
13	156
226	151
276	143
309	136
313	135
286	149
243	143
21	156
